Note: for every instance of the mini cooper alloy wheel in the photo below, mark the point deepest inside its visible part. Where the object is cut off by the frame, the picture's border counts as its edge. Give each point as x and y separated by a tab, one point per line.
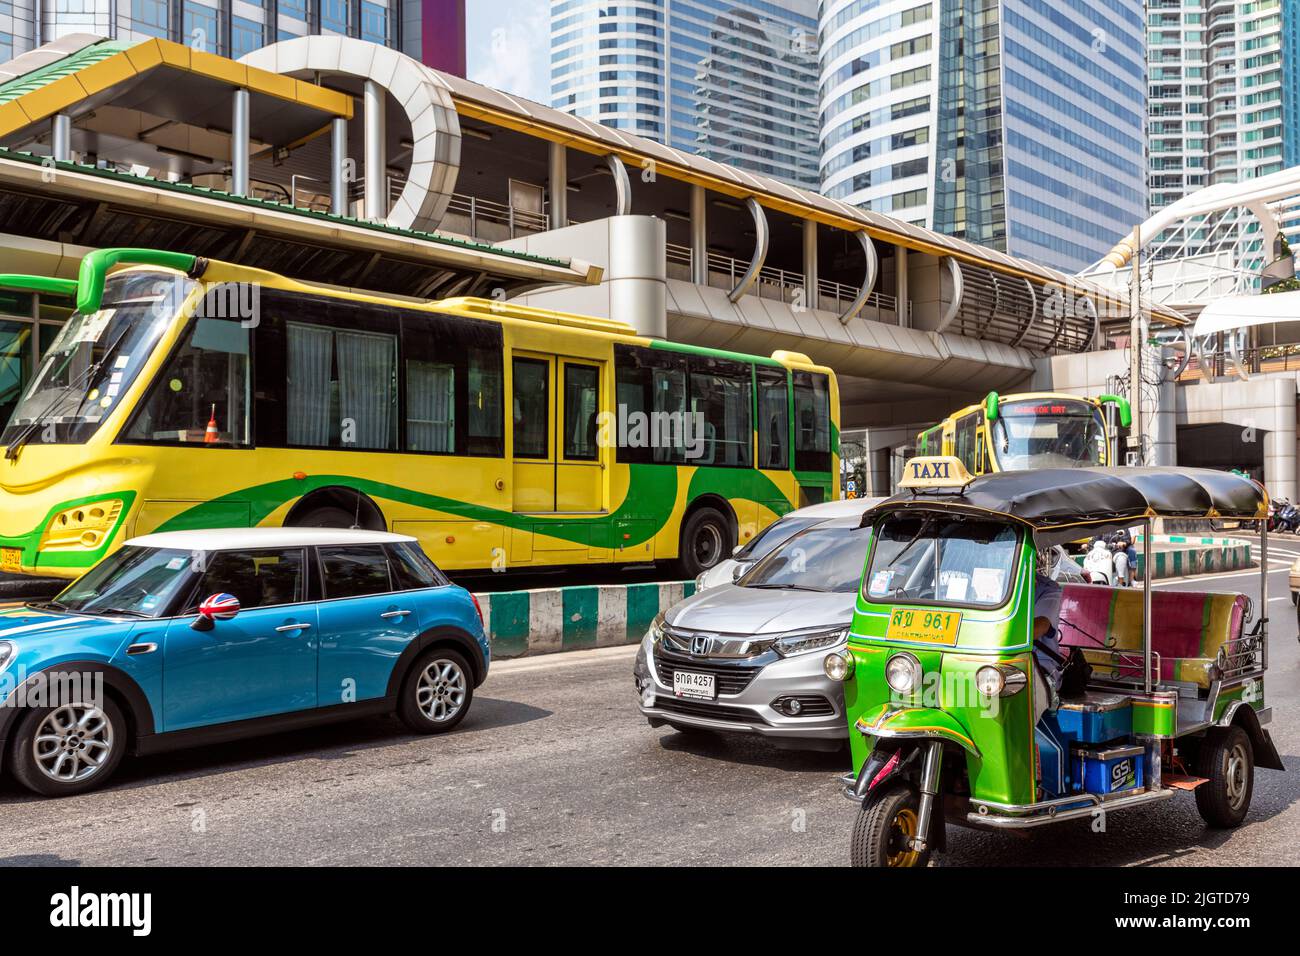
440	693
73	743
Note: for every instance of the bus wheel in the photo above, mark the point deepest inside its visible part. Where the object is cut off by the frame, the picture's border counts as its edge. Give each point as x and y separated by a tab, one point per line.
885	825
703	543
1227	759
326	517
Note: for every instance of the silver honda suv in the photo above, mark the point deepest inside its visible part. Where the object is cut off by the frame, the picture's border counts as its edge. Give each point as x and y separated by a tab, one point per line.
747	656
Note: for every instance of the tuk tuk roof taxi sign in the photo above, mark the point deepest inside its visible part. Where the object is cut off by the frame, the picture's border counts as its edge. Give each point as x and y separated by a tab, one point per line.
935	471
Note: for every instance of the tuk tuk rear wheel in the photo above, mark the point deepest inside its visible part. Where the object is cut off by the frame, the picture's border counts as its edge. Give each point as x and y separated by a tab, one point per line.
1227	759
884	825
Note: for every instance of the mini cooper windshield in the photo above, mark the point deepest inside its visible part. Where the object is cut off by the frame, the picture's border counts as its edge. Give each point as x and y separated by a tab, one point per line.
819	559
929	559
136	582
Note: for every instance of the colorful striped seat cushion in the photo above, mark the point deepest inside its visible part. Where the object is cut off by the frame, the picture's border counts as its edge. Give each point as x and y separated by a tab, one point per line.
1189	628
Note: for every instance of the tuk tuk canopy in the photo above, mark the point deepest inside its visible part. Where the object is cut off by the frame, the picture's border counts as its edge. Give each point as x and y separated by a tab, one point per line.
1053	499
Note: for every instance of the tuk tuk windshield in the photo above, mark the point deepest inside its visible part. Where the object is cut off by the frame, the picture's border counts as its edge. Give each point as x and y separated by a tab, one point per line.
936	559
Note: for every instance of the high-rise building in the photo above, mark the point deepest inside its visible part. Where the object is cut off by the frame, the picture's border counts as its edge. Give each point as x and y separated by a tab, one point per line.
732	80
235	27
1016	124
1225	85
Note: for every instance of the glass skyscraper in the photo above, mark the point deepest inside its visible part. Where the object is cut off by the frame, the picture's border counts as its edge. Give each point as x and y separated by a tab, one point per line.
1016	124
732	80
226	27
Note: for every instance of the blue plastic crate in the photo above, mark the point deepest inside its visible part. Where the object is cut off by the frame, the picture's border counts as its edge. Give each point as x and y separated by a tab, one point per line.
1096	718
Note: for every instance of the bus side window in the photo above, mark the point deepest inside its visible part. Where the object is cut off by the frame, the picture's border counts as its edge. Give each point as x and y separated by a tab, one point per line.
812	422
773	418
647	381
453	385
721	396
964	440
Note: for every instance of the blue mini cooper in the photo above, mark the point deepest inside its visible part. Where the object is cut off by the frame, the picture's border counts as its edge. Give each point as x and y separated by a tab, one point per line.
196	637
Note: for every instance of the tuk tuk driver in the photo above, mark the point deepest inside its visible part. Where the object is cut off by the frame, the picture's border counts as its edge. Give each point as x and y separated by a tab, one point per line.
1048	659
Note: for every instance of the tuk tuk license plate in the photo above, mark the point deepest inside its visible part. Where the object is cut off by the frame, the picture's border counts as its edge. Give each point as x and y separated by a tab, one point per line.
11	559
690	684
923	627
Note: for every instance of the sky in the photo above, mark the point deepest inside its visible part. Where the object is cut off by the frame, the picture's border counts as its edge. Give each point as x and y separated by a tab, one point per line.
508	46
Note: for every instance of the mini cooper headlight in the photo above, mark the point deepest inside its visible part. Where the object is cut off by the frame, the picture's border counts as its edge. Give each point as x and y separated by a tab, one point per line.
7	653
903	673
838	665
1000	680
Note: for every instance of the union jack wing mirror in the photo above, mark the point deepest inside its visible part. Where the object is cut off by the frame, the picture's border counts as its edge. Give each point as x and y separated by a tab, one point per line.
216	607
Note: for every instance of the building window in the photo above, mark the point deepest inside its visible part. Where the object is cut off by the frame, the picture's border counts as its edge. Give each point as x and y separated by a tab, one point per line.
374	22
200	27
149	16
294	9
245	36
334	16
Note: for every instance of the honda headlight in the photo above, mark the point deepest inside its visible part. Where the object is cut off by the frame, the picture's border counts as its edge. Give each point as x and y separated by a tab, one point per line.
903	673
699	581
803	642
656	631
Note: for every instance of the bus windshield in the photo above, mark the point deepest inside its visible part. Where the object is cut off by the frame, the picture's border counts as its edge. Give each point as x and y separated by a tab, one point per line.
929	559
1048	433
95	358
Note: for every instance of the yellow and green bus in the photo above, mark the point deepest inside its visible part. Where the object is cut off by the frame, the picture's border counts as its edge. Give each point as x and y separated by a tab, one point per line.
1027	430
193	393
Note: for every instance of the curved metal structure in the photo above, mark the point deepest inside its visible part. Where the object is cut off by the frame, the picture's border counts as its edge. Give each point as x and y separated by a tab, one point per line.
761	241
622	185
869	275
435	124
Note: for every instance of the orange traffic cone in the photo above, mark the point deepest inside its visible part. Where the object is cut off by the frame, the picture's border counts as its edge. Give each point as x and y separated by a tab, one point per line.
212	435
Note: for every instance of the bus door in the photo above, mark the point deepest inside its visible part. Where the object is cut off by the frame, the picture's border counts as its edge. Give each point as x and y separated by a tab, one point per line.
580	467
533	408
981	448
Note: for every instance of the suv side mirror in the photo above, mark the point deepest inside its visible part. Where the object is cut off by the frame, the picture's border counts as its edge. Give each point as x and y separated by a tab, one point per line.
740	568
215	607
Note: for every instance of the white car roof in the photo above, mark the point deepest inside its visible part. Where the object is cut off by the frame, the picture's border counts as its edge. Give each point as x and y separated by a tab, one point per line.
840	508
229	539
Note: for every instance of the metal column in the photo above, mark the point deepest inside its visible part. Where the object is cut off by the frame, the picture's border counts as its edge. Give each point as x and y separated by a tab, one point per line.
559	186
1148	574
339	166
376	149
900	286
239	144
810	263
61	136
699	235
1137	434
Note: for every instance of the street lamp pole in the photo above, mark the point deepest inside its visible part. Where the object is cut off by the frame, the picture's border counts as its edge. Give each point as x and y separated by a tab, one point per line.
1137	338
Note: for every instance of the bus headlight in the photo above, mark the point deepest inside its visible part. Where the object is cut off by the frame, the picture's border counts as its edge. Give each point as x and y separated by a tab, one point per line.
82	528
903	673
1001	680
838	665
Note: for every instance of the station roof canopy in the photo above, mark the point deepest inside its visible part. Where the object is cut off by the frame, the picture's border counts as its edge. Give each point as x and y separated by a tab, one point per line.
167	82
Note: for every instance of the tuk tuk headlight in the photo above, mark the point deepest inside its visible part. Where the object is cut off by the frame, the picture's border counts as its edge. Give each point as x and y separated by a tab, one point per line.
1000	680
903	673
838	665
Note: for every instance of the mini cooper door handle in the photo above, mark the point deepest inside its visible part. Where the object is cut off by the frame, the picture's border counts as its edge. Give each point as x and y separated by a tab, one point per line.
147	648
395	614
291	627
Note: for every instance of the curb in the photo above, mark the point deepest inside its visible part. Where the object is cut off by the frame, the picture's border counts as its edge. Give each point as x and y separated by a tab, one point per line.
549	620
1206	555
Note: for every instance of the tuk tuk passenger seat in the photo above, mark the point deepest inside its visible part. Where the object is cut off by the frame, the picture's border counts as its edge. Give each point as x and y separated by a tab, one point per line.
1189	629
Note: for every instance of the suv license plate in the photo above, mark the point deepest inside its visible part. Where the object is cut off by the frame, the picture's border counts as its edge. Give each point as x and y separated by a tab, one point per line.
691	684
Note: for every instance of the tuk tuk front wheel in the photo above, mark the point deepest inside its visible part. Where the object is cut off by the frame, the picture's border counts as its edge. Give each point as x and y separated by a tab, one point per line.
1227	759
885	825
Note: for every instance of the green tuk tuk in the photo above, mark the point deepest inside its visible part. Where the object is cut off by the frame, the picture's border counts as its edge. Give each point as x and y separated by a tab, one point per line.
1165	691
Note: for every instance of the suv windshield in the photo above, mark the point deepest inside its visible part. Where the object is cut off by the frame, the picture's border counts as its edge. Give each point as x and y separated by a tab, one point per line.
96	357
818	559
1048	434
773	536
930	559
138	582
